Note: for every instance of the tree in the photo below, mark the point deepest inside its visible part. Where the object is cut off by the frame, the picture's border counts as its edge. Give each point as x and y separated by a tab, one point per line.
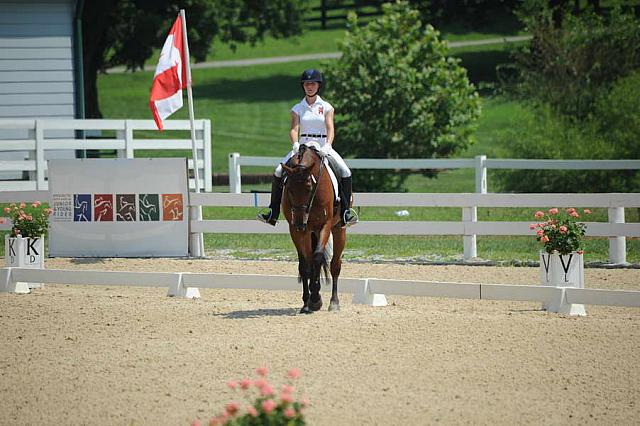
398	95
125	32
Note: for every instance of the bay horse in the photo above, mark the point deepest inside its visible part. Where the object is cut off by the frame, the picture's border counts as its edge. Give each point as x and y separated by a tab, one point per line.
313	215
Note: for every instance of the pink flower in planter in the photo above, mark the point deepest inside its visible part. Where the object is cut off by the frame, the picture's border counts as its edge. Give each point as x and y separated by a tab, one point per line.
262	371
533	226
563	229
268	406
587	211
574	214
540	232
245	383
553	211
544	239
539	214
570	209
288	389
260	383
213	422
232	384
7	210
23	205
196	423
267	390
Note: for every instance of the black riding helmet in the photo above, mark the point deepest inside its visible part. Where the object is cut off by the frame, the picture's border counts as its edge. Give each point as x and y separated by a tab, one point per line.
311	75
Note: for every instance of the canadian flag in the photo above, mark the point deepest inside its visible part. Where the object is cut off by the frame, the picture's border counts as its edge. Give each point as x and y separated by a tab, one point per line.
170	77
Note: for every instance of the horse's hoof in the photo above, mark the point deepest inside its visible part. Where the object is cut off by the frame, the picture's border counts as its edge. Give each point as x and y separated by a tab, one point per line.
334	307
315	306
306	310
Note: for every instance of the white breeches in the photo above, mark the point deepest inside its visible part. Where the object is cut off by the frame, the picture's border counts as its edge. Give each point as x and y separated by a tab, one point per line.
343	170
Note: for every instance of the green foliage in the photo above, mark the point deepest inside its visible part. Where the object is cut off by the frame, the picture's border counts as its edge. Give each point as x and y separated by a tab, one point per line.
559	231
571	61
398	95
125	32
611	132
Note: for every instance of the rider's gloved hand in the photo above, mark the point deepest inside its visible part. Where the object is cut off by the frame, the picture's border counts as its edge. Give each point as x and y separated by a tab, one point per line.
326	149
296	147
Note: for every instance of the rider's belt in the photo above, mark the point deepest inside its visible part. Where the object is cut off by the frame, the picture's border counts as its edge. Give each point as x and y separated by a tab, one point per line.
306	135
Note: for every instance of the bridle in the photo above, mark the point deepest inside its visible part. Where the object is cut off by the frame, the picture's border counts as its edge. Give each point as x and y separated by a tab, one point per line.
312	194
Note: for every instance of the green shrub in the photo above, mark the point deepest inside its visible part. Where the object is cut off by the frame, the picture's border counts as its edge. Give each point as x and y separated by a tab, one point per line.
398	95
568	64
611	132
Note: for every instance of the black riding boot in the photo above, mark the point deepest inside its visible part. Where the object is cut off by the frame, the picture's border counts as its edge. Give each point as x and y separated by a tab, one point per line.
271	216
348	215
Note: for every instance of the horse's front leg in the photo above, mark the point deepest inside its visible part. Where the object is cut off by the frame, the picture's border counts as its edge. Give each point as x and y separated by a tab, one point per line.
304	273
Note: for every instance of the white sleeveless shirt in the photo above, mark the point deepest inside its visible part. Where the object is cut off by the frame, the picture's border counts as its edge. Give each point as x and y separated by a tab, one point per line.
312	119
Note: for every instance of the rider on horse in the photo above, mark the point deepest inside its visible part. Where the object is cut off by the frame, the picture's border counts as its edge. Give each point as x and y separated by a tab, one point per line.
312	121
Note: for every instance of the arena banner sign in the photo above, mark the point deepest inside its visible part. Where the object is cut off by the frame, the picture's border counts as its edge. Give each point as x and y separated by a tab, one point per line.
119	207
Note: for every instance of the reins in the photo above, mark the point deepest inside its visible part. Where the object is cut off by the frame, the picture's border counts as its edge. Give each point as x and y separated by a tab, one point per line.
314	188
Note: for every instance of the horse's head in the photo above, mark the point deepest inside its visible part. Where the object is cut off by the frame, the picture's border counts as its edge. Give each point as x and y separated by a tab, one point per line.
301	182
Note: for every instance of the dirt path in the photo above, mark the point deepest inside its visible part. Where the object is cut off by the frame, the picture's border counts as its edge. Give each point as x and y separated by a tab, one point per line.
116	355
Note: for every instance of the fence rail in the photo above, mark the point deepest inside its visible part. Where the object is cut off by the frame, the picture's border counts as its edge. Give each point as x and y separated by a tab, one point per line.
480	163
615	229
40	139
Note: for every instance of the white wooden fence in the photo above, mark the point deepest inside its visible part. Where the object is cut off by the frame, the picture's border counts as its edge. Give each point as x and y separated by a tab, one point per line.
41	138
480	163
469	227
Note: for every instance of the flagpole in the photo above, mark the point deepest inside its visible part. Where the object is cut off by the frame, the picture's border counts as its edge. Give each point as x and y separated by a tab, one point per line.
197	242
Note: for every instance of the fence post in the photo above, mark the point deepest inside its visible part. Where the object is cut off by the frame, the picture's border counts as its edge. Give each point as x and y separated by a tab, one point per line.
128	139
323	14
235	182
470	214
617	245
40	161
481	174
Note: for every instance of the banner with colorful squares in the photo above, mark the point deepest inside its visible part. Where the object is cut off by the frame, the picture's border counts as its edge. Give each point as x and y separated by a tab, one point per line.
118	207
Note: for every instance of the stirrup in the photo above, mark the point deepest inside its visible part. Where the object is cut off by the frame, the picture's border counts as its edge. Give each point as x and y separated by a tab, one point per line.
265	214
353	217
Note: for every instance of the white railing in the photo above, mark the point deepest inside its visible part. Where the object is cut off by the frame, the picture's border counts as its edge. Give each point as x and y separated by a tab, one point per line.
480	163
615	229
39	140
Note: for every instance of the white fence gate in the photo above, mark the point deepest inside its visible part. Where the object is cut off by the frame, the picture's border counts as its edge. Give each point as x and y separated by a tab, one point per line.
39	140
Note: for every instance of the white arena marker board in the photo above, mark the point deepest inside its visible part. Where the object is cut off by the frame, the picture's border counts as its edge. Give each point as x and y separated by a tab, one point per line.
119	207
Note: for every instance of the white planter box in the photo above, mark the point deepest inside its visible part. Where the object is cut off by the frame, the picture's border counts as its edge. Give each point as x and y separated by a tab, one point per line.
24	253
562	271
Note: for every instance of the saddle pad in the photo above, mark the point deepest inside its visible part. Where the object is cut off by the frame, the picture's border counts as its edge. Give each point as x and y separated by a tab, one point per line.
334	181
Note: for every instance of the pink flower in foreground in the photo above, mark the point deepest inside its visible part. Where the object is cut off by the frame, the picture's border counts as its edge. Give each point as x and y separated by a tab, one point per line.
533	226
7	210
245	383
252	411
539	214
2	220
305	402
294	373
288	389
23	205
289	413
266	390
213	422
570	209
48	210
574	214
232	408
262	371
286	398
544	239
587	211
563	229
196	423
553	211
232	384
268	406
260	383
540	232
